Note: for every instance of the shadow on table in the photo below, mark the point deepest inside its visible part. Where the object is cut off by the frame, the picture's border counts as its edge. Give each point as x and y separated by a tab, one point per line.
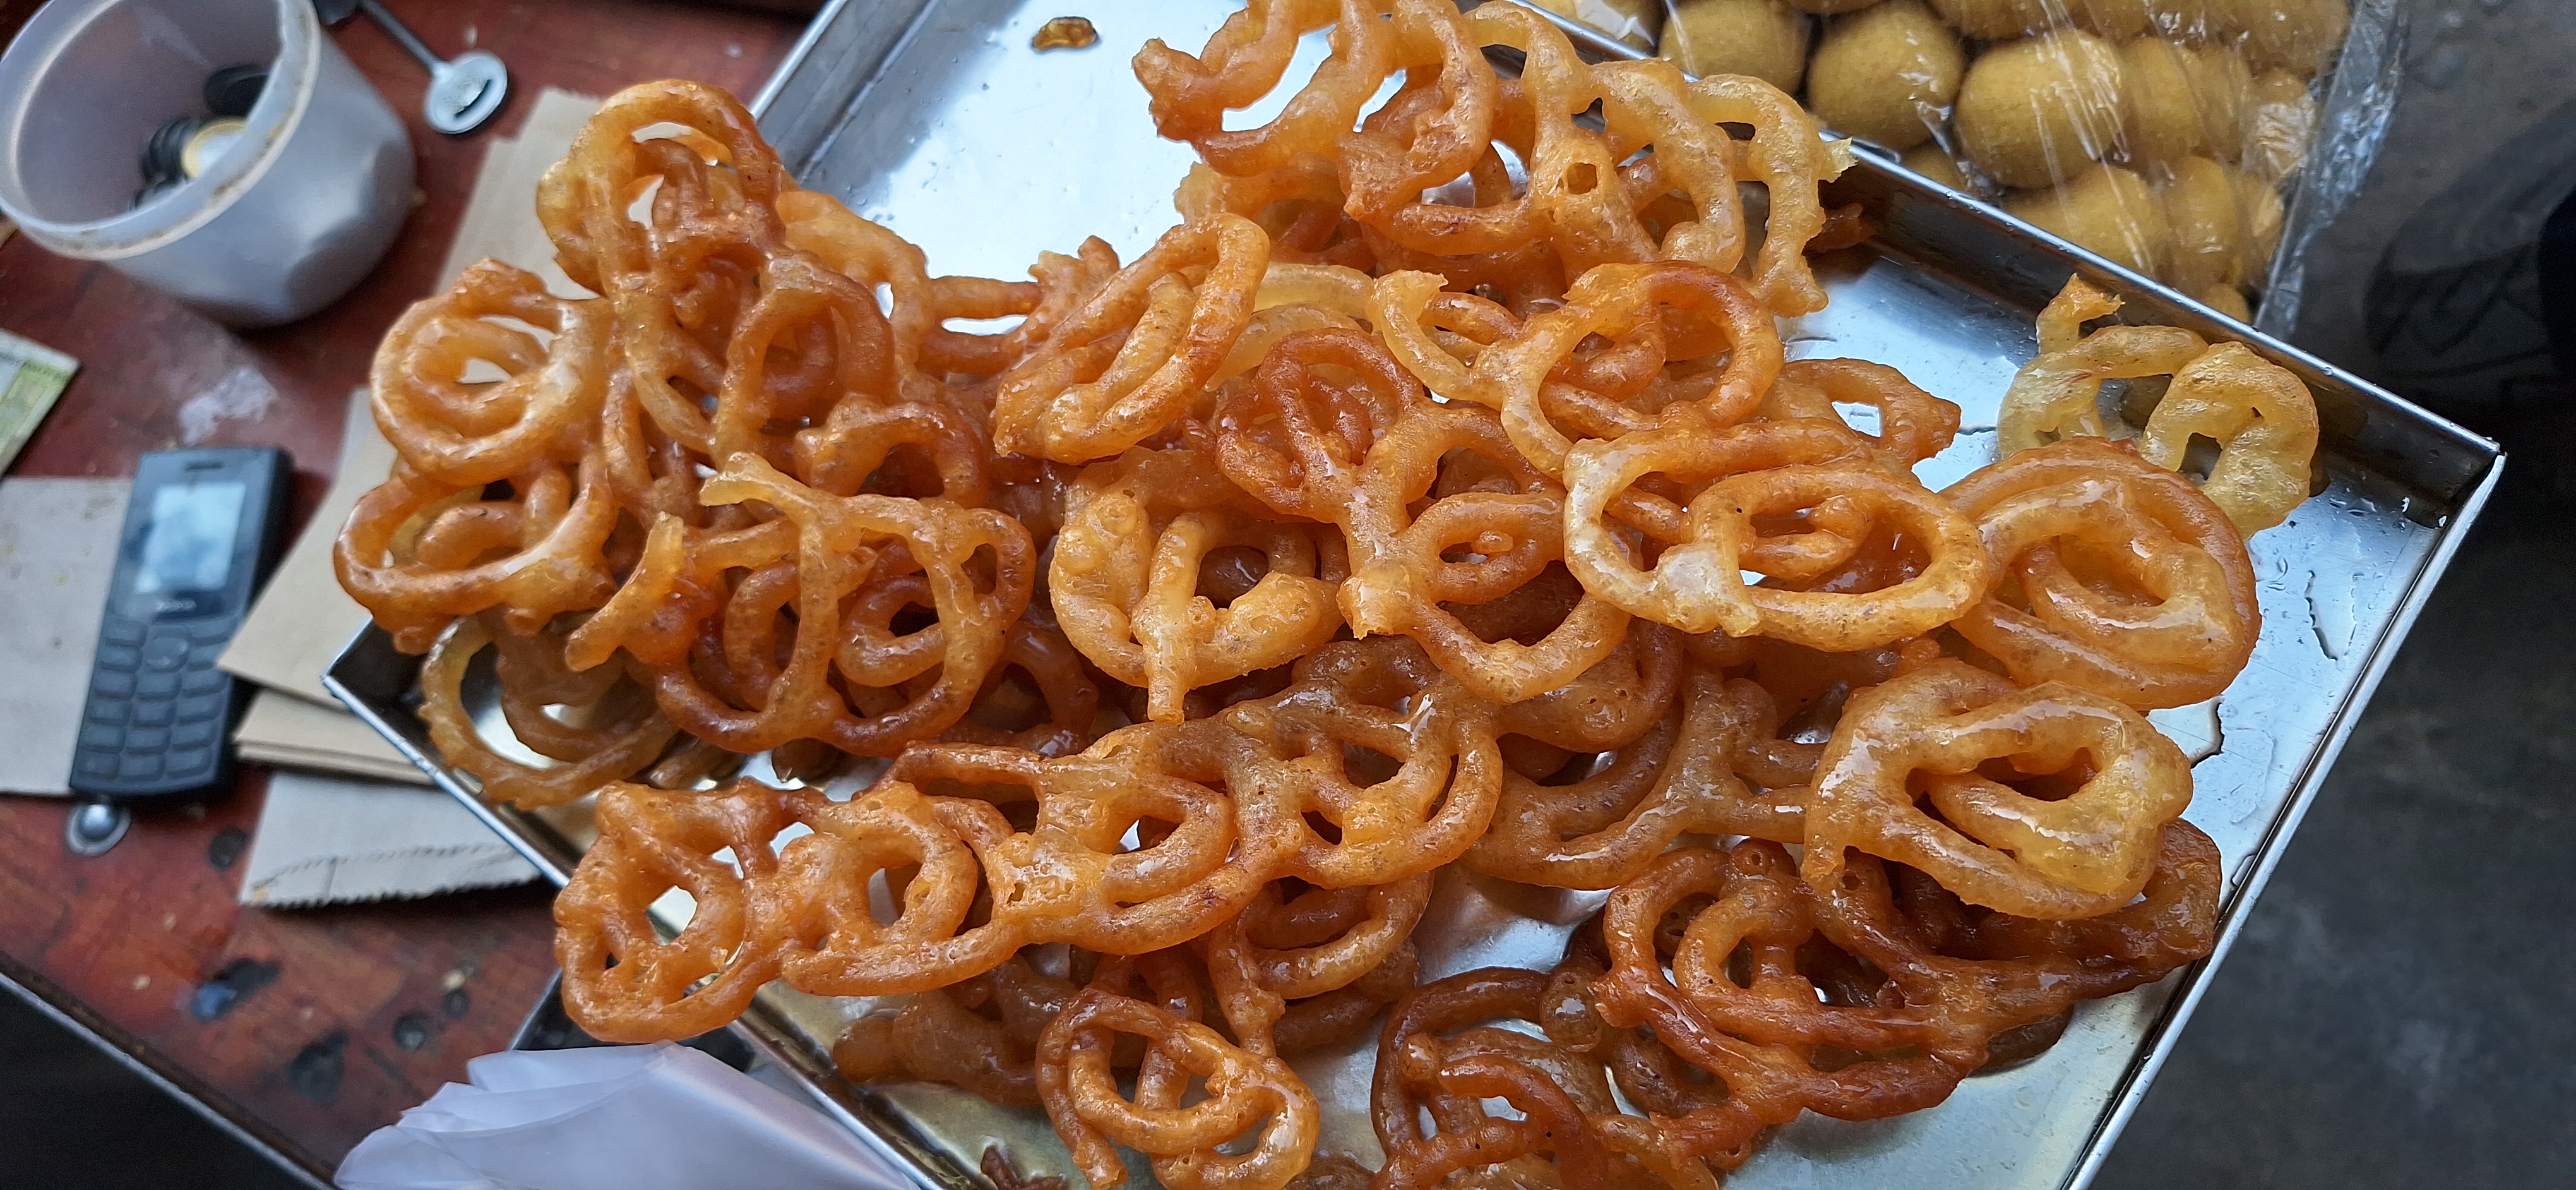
75	1119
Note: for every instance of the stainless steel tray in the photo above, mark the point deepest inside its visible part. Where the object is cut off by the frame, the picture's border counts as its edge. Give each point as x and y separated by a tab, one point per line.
935	118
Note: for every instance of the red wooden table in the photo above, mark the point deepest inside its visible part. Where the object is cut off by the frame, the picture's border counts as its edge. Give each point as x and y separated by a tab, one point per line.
306	1028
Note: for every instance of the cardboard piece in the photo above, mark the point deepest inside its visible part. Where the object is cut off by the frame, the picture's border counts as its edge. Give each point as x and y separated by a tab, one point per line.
501	215
302	619
57	554
289	732
323	840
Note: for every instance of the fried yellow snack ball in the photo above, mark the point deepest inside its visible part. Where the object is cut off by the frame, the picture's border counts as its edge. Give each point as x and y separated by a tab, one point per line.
2162	119
2294	35
1766	39
1886	74
2260	206
2209	230
2039	110
2203	20
1988	20
1826	8
2107	209
1995	20
2118	20
2221	87
2279	118
1934	162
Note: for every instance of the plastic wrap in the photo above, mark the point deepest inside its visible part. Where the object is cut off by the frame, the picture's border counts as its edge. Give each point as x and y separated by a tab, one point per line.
2201	142
644	1117
1636	22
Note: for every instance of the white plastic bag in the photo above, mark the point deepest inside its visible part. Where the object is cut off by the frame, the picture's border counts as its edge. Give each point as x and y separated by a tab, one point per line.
657	1117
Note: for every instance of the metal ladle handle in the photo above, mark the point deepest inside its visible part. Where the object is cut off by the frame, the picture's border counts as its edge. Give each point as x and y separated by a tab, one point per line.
403	34
463	92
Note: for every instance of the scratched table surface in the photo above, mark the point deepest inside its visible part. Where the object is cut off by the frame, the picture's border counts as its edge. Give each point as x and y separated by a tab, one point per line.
307	1028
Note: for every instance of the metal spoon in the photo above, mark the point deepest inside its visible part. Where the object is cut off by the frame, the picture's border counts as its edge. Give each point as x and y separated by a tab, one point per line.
463	91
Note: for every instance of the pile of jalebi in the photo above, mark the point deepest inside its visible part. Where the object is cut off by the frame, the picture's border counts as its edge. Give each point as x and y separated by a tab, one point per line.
1436	493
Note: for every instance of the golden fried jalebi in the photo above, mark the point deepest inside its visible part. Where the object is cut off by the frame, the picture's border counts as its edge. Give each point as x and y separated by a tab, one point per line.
1402	578
1132	359
417	553
847	546
1913	425
2163	613
625	981
454	435
1246	59
1759	470
1614	301
1136	579
1427	766
2081	854
1438	491
1244	1089
2057	395
2262	415
1296	436
1600	829
2264	421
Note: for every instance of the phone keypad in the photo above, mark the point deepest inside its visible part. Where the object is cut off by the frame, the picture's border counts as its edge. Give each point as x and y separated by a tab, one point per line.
159	701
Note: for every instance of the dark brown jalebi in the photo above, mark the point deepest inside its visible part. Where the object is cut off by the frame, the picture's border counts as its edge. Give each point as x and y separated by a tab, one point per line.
1441	1058
1282	992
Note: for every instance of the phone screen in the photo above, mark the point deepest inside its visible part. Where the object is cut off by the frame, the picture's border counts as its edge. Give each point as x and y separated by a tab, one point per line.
190	544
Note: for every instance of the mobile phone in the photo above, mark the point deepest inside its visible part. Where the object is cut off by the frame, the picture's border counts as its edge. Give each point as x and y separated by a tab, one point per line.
201	533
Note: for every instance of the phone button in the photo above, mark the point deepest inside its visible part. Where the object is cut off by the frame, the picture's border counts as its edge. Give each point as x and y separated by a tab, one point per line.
117	657
146	739
188	760
165	652
138	767
101	735
98	764
112	684
191	734
118	630
200	706
202	681
156	685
